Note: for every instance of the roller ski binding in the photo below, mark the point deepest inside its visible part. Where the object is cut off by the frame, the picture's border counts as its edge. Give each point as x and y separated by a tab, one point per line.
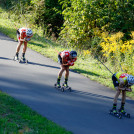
66	87
58	86
16	58
124	113
115	113
23	60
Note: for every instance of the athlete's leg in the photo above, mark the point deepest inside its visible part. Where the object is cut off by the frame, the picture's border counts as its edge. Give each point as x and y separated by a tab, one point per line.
115	98
123	96
24	50
61	70
25	47
123	101
17	50
19	46
60	74
116	85
66	74
116	95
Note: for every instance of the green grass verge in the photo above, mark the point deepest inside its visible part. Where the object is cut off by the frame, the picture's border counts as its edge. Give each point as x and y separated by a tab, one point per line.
17	118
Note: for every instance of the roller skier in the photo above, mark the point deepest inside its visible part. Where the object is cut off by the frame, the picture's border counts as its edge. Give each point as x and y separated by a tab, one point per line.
23	35
122	83
65	59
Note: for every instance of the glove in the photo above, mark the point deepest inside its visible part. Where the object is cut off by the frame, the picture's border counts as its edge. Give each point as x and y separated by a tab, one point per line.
70	63
128	89
27	39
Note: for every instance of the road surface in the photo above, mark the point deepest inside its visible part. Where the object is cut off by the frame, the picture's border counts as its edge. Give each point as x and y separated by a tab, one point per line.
83	111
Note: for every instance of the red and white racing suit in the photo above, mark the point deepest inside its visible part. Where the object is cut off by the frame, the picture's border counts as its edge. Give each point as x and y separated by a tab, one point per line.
22	32
67	59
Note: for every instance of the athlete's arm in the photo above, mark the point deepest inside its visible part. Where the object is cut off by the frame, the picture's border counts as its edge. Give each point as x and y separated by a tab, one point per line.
121	84
26	39
64	63
22	37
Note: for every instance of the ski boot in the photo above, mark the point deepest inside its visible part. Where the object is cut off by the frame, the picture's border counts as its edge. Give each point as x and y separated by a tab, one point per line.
124	113
115	113
16	57
23	60
66	87
57	86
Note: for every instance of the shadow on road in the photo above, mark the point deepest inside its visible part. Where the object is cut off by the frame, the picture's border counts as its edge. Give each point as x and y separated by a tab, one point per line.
99	96
32	63
85	72
38	64
91	94
4	58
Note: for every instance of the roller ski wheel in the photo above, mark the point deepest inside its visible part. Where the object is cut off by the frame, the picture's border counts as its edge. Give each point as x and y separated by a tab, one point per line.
125	114
116	114
66	87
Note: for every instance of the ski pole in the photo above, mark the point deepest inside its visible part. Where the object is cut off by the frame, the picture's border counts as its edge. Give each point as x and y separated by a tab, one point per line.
103	64
120	65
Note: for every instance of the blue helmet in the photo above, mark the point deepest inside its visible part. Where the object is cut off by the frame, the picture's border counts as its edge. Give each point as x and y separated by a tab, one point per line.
130	80
73	54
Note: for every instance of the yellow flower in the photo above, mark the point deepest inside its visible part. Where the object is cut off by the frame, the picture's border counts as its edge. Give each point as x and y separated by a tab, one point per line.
132	41
86	52
123	48
132	34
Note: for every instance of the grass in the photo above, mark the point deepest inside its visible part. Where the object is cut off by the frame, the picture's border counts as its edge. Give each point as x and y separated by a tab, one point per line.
30	122
17	118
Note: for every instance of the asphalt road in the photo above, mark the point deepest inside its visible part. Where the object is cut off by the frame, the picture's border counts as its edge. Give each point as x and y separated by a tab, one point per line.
82	111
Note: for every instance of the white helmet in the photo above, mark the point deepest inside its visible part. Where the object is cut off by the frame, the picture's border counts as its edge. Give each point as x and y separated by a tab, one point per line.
130	80
29	32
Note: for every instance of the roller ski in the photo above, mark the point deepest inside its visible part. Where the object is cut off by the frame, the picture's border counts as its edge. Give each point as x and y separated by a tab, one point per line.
66	87
115	113
58	86
23	60
124	113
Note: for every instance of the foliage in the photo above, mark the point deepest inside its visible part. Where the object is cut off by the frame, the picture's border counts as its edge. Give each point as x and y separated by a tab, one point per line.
6	3
119	52
47	13
44	13
80	18
83	16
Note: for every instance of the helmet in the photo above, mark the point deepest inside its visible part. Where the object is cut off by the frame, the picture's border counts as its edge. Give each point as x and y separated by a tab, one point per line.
130	80
29	32
73	54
